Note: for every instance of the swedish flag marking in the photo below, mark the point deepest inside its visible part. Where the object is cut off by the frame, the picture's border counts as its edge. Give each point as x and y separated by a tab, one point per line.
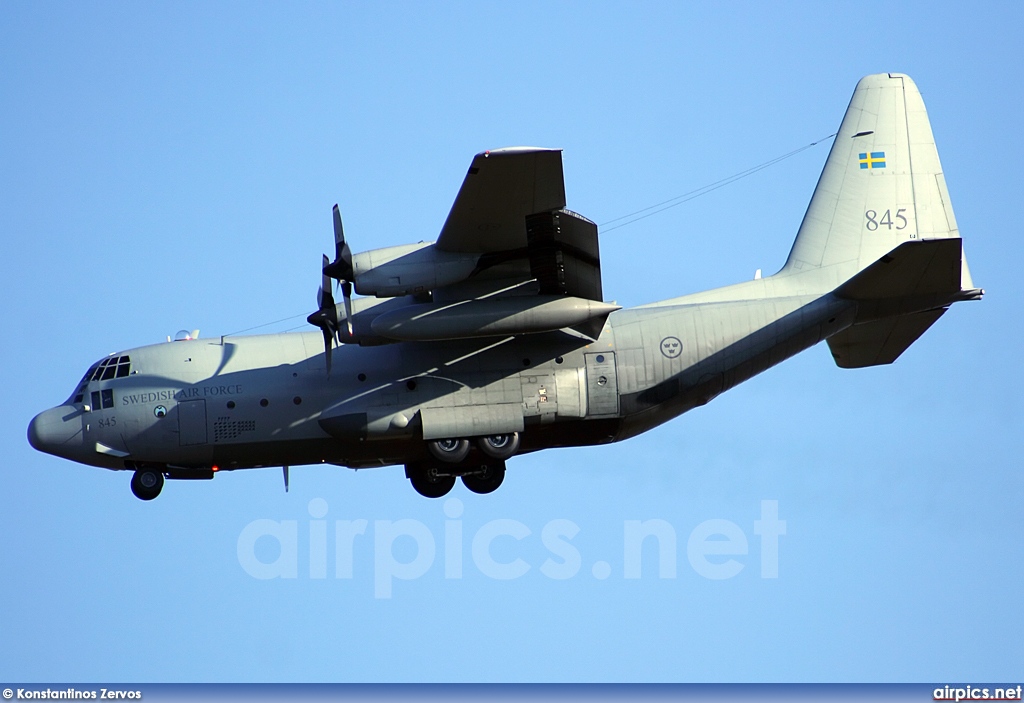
876	159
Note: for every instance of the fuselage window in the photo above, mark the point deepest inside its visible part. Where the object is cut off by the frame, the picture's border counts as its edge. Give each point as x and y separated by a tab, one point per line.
95	400
108	398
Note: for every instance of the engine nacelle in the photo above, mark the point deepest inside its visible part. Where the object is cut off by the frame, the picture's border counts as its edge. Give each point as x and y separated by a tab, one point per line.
409	269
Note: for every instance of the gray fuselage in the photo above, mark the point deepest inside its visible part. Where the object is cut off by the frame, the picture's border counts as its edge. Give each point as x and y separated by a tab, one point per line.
247	402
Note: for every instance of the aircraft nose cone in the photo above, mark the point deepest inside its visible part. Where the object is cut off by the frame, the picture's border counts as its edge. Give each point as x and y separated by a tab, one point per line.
50	432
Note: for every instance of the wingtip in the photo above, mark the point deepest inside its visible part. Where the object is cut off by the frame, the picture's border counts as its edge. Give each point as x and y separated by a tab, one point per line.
507	150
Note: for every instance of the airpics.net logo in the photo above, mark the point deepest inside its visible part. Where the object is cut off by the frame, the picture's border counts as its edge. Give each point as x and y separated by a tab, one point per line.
501	549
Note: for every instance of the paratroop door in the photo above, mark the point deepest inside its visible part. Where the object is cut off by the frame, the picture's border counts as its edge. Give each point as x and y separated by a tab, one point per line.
602	387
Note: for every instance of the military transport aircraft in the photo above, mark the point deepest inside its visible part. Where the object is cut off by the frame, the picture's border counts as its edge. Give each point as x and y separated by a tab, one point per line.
496	339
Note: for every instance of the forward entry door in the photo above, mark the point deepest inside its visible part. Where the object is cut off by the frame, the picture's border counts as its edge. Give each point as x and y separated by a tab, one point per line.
192	422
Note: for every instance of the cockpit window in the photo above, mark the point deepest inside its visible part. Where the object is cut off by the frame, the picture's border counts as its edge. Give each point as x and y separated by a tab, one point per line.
80	393
112	367
103	399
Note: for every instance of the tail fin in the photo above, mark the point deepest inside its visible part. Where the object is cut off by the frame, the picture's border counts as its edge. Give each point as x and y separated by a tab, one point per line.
882	185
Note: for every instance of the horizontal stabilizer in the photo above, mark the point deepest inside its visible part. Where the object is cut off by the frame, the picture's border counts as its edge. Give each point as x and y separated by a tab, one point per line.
881	341
914	268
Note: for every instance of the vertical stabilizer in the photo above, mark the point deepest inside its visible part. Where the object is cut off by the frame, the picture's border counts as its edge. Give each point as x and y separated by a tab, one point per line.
882	185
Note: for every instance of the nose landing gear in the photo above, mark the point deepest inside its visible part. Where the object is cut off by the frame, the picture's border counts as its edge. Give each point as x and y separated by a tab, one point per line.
147	483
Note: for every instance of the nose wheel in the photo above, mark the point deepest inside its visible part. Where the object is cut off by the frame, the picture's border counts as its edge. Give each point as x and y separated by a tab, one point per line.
147	483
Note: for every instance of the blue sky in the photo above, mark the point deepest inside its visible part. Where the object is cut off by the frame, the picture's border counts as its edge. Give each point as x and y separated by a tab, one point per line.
173	165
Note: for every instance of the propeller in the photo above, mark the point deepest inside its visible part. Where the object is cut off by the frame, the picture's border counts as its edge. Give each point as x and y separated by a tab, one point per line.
341	268
326	317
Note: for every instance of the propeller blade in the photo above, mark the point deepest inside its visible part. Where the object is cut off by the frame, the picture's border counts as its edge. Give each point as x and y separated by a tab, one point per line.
326	316
328	347
339	230
325	282
341	267
346	292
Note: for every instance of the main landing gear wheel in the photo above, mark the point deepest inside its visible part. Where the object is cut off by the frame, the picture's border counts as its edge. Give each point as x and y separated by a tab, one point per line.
429	483
499	446
486	480
146	483
450	451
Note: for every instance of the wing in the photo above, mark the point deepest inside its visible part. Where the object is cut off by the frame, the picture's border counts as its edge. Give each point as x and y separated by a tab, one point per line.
511	211
510	260
501	188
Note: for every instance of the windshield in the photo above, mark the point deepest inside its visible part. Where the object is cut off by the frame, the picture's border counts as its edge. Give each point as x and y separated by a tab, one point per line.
103	370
